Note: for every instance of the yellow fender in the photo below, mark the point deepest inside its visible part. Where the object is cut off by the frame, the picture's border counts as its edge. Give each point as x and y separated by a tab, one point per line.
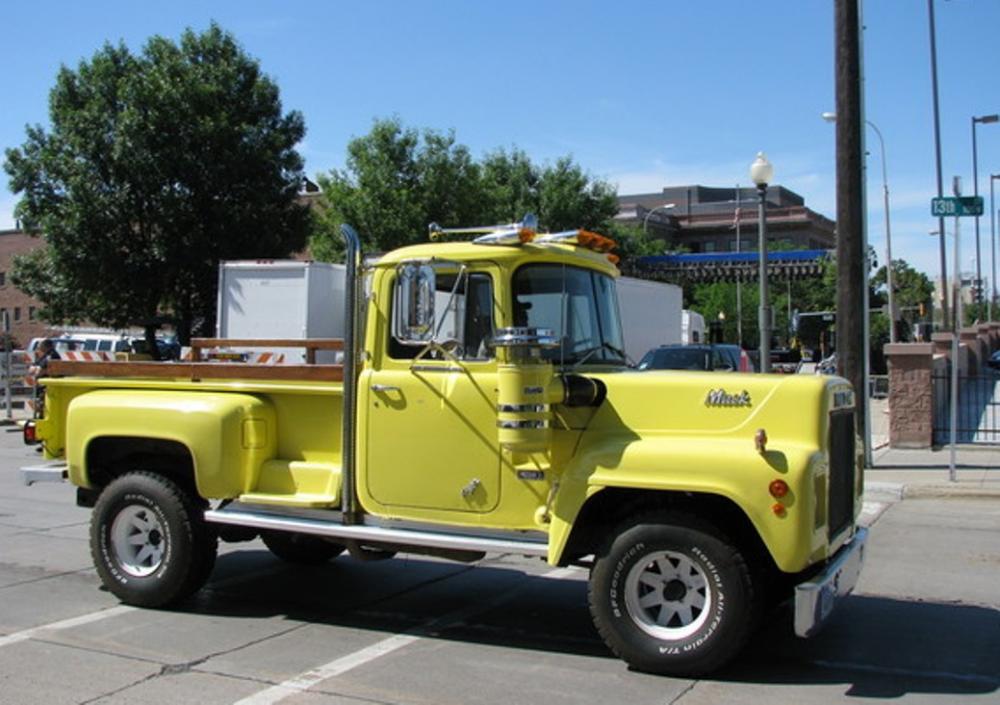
228	435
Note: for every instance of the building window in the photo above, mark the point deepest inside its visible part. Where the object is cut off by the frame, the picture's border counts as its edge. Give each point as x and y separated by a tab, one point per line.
17	313
3	278
31	313
709	247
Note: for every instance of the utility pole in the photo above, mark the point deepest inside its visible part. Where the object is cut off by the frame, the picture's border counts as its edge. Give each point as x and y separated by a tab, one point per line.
852	257
937	161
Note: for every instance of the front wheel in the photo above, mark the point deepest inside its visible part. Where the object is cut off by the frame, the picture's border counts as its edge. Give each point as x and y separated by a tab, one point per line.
149	542
670	595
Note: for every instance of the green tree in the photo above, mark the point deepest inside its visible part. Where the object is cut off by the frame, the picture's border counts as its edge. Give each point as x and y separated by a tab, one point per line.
155	167
911	289
398	180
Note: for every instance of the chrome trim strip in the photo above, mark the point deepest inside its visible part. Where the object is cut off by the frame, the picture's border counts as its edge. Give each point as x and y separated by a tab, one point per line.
529	424
435	368
522	408
401	537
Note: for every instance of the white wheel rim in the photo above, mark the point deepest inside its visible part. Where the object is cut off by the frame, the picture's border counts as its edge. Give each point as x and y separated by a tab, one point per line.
138	540
668	595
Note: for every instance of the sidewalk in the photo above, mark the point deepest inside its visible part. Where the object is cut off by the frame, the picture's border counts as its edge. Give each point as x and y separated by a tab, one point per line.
925	472
899	473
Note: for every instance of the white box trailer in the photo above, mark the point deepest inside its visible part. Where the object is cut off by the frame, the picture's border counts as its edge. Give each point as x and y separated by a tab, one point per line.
651	315
287	299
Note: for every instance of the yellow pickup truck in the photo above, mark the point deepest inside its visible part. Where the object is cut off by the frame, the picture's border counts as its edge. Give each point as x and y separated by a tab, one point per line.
484	404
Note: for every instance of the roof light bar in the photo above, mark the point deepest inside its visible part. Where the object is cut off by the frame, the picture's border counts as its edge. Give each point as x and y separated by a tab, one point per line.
504	234
583	238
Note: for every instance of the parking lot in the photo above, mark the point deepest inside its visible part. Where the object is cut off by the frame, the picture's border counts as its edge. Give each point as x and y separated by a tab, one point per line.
924	626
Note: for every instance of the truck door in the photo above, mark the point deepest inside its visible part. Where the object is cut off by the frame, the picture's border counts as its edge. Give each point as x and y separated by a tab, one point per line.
431	420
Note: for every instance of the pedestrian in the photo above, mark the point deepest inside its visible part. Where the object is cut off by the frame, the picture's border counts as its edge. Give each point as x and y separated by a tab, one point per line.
44	353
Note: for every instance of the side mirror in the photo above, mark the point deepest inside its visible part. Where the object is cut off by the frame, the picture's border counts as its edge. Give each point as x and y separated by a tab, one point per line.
413	323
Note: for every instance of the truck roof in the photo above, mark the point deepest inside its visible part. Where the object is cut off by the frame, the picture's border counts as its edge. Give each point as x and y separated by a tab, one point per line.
509	255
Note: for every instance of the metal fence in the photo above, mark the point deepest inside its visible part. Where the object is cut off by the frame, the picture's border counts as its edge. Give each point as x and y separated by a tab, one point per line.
978	412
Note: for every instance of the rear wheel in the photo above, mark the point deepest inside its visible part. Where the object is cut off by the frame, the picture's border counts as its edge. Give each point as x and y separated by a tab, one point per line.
149	542
302	549
671	595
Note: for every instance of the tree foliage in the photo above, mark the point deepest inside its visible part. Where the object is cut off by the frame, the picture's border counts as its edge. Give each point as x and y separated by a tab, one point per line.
397	180
155	167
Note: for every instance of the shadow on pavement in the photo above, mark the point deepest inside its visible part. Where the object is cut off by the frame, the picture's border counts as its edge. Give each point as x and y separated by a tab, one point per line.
875	646
882	648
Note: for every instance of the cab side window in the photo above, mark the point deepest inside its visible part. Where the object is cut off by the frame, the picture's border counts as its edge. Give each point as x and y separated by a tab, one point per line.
466	317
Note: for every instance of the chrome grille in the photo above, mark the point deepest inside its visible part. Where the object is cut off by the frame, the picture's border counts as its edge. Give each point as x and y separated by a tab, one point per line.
842	469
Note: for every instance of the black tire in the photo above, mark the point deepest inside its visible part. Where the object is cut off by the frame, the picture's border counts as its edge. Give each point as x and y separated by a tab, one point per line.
301	549
701	611
149	541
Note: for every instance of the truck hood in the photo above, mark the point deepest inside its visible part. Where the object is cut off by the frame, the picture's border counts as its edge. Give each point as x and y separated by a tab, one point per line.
715	404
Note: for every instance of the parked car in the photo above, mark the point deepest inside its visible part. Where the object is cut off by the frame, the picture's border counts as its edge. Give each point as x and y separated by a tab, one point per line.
711	358
993	361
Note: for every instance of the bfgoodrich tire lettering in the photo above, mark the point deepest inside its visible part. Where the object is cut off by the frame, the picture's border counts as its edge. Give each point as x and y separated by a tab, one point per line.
671	595
149	542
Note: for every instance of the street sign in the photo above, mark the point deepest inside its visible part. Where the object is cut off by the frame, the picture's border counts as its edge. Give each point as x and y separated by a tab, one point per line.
957	206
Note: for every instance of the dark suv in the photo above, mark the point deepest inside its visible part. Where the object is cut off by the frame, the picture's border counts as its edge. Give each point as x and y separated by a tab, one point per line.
711	358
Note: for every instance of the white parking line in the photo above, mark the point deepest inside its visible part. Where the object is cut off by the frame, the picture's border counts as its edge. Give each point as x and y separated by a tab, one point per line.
304	681
65	624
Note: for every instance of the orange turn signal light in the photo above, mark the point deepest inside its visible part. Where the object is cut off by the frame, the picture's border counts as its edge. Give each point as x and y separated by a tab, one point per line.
595	242
779	509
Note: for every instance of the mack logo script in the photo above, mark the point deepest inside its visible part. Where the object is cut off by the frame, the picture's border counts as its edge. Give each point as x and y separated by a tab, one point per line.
720	397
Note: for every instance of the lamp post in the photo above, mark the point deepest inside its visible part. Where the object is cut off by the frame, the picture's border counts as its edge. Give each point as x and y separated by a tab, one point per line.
993	247
984	119
761	173
645	221
889	285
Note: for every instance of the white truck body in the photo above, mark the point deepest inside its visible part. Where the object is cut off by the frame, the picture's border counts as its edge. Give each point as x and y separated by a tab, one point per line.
281	299
651	315
693	328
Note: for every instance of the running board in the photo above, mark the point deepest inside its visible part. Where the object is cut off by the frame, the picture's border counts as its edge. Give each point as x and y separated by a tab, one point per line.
377	534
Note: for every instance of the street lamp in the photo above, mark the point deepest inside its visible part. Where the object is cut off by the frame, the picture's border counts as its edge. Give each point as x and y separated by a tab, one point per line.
993	246
761	173
645	221
985	119
832	117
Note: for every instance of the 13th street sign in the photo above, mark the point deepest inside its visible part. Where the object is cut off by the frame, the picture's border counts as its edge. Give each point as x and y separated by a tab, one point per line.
957	206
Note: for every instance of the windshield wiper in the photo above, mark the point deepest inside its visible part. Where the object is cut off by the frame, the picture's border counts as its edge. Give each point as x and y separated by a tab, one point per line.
590	352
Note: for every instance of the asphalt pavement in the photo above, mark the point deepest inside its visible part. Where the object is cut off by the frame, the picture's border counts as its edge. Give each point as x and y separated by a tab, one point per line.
923	625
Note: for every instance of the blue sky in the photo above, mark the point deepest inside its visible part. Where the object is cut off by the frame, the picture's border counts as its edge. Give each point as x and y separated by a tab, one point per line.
643	94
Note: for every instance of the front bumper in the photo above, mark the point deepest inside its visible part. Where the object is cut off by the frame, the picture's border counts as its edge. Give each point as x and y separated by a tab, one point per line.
815	599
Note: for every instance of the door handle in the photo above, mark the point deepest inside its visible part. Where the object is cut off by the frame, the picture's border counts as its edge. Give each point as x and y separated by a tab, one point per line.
385	388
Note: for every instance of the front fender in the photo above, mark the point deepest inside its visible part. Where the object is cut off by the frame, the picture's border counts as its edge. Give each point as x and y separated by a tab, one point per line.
228	435
731	469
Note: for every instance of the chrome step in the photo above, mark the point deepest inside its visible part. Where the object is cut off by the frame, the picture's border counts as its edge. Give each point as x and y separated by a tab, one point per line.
376	534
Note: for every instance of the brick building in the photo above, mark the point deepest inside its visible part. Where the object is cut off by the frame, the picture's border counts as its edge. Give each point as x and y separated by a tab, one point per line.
22	309
703	219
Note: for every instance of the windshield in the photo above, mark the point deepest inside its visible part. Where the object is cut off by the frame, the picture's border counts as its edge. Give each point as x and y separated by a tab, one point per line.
579	305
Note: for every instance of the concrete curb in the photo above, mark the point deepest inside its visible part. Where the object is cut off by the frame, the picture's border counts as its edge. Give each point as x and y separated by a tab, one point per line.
898	491
957	489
